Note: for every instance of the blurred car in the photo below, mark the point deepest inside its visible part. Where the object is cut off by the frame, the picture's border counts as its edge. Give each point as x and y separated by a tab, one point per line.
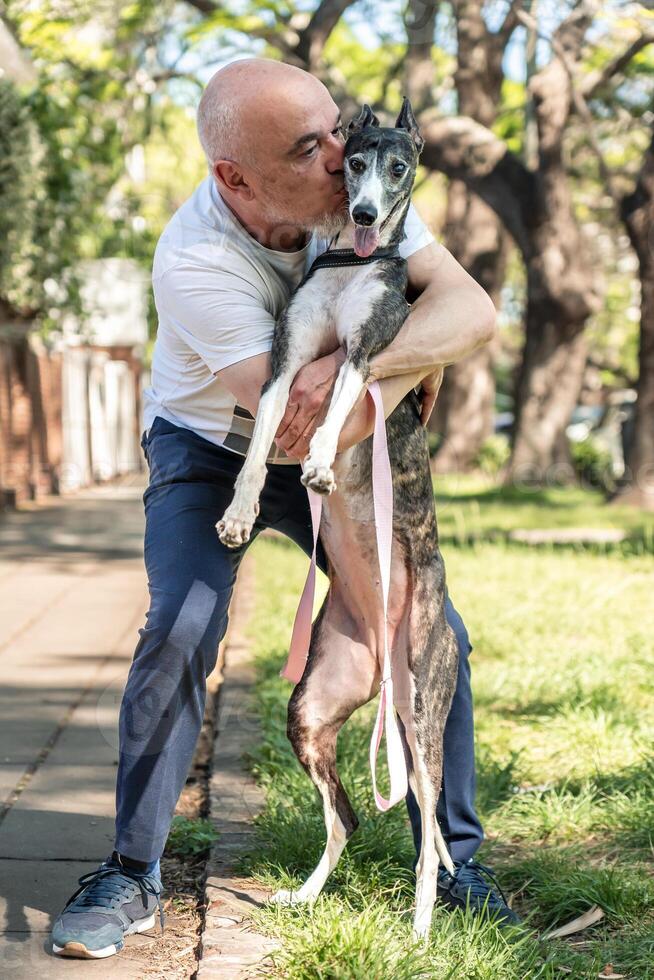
610	425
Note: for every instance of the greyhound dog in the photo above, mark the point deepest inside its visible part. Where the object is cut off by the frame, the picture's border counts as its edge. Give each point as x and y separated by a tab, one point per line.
362	307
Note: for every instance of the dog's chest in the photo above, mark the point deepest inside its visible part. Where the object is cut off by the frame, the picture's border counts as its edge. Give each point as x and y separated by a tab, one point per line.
338	301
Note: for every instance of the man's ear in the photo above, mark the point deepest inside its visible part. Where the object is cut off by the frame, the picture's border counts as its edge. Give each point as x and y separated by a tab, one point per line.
365	118
406	120
230	177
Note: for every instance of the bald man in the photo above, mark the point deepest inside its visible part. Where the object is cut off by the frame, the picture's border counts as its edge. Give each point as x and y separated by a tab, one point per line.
224	270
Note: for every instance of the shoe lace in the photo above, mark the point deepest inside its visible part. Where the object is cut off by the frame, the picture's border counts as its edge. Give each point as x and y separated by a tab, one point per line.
105	886
476	880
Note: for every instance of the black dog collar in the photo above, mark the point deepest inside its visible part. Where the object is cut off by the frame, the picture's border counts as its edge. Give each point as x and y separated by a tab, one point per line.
339	257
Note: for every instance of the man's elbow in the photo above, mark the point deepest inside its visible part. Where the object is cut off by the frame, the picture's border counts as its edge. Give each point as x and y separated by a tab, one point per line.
484	324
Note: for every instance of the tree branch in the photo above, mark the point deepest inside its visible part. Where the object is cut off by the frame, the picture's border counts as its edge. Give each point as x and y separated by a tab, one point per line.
418	67
204	6
465	150
509	24
313	38
598	79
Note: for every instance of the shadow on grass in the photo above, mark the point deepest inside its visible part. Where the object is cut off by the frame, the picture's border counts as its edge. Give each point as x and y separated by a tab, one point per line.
513	497
602	697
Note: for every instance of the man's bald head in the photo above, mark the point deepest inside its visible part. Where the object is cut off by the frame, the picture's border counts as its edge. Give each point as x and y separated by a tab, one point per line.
246	99
274	143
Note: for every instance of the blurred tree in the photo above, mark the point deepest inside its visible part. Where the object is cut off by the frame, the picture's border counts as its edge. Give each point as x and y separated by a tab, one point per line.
536	207
472	232
638	214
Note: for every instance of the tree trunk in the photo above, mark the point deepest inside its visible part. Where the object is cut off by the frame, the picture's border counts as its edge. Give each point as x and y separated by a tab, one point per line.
561	285
475	236
549	383
638	215
466	402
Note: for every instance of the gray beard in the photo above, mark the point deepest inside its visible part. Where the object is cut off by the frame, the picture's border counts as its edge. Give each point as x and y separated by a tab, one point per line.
329	224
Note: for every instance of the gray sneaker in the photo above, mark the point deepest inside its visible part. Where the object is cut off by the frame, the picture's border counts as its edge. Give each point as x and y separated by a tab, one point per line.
111	903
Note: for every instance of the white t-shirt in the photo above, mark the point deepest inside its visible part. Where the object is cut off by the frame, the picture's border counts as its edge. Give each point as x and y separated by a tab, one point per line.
218	294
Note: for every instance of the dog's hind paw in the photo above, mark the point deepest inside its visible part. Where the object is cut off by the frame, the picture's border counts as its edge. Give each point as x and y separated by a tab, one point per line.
318	478
285	897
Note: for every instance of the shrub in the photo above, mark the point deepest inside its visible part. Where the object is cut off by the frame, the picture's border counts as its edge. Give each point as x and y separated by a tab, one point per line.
493	455
593	463
21	195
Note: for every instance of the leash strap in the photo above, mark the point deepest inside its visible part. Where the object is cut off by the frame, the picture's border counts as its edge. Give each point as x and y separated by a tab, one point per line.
386	721
382	494
298	650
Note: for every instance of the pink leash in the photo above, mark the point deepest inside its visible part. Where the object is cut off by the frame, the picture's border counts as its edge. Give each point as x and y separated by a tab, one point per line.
386	721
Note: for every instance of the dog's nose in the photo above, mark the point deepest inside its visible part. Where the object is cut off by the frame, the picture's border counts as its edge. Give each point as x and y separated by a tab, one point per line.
364	214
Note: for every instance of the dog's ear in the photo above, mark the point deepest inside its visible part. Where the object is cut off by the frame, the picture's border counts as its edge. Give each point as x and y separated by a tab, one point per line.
365	118
406	120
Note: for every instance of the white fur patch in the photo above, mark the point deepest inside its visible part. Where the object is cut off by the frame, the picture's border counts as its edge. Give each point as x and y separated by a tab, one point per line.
371	191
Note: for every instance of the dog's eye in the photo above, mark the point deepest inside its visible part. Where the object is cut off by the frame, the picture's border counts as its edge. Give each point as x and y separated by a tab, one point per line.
398	169
357	166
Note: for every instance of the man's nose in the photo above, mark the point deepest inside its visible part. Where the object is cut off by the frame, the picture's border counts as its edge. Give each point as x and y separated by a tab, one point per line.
336	155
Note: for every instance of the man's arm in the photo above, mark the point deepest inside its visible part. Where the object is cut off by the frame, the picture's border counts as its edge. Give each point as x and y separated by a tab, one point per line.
450	319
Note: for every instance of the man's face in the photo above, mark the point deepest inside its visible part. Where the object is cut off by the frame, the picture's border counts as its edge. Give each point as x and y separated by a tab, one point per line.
297	155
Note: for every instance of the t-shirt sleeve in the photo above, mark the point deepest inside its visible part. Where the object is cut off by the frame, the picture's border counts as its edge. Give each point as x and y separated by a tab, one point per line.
216	312
417	234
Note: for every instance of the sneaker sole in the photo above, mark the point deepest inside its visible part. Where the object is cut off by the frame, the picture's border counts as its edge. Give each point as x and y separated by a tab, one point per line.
79	951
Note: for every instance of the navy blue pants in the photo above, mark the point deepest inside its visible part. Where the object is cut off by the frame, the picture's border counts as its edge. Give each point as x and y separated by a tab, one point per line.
190	577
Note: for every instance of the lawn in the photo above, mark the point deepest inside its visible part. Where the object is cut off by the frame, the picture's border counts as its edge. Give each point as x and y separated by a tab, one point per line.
474	508
562	675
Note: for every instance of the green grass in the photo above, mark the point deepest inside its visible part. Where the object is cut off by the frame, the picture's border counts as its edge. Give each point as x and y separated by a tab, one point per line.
562	674
189	837
473	508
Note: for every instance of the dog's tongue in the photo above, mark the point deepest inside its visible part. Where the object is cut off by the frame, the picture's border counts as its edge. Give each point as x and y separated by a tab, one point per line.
366	240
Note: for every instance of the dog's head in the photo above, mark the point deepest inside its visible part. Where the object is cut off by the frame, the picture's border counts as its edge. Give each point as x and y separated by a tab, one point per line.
380	167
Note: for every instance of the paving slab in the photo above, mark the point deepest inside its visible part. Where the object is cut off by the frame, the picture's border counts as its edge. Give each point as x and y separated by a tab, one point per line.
29	956
72	596
66	810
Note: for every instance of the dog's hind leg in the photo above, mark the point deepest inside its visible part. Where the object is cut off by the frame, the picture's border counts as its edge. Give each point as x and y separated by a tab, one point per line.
425	782
341	675
424	735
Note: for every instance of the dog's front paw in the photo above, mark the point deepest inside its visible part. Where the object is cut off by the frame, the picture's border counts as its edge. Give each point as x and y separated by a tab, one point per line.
235	528
318	478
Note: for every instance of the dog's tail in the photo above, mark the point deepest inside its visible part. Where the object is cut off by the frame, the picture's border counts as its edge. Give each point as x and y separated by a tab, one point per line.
442	851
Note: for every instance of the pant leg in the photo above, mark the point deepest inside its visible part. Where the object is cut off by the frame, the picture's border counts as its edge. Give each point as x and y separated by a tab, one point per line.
190	577
456	813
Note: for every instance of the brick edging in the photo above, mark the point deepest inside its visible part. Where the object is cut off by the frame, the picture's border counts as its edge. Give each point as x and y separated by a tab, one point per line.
231	949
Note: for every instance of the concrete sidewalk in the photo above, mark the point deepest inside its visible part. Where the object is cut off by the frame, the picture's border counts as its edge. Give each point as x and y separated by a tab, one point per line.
72	597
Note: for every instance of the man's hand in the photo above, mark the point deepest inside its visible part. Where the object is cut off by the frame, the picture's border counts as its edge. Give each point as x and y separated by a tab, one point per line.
308	402
430	388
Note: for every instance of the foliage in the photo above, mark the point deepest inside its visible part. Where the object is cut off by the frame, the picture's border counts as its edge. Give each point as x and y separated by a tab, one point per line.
22	194
493	455
89	106
565	774
189	838
593	463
